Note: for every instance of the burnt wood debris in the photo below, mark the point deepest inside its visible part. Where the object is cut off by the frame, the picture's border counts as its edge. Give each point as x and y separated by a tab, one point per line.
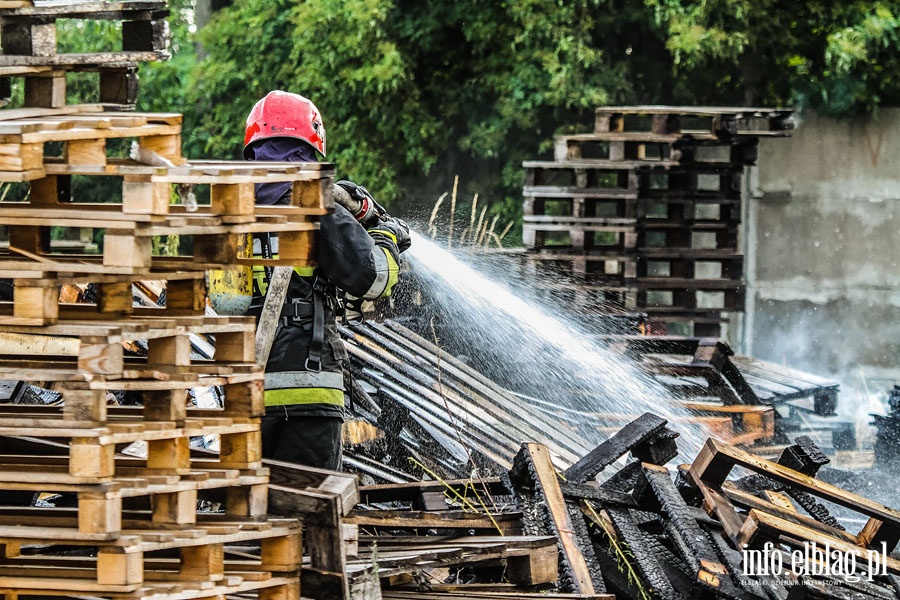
130	460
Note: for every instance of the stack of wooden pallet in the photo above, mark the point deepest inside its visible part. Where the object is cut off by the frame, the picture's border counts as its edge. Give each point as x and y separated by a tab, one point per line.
31	51
101	498
643	213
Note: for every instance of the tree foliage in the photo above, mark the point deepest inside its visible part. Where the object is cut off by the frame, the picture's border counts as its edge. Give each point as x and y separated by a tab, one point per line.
837	57
416	92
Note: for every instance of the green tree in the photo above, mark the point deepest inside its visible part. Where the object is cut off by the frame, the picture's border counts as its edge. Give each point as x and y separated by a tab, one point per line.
837	57
415	92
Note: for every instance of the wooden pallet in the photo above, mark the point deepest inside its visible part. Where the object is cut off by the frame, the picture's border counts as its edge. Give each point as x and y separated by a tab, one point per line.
92	451
592	264
99	352
86	404
689	209
30	49
587	233
725	181
579	205
83	137
722	122
45	298
712	466
689	264
147	190
128	247
598	178
101	513
700	149
139	564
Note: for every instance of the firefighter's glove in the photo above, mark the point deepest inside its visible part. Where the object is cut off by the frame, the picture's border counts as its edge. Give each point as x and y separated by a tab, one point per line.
361	204
392	233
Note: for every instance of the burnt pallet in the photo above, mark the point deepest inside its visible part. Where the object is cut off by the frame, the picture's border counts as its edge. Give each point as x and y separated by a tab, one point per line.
712	466
699	264
587	233
579	205
583	266
722	122
600	179
698	149
689	209
690	295
721	180
700	235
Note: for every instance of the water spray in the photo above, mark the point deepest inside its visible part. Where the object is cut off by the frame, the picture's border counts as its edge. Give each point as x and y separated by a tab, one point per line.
543	355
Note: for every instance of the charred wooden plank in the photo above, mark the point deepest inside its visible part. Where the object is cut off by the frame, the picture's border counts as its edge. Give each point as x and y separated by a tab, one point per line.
716	354
803	456
623	479
639	430
656	488
659	449
600	495
441	519
645	560
533	469
415	491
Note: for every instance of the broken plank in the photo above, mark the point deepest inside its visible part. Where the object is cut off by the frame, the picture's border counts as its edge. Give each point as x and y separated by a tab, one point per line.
636	432
535	458
690	541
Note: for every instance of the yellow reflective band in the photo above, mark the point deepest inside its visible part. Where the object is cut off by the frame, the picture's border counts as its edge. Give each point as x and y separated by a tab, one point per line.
293	396
385	233
262	284
393	273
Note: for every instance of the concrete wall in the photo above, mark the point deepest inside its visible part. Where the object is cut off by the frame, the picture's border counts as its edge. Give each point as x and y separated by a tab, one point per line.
822	225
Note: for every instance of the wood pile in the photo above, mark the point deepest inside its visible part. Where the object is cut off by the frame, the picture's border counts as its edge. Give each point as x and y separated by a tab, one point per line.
618	523
643	213
102	498
430	409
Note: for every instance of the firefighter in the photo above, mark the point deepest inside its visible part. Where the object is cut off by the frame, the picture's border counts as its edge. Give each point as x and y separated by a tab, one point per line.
304	383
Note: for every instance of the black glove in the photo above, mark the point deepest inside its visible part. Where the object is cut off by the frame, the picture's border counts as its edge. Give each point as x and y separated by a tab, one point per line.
393	233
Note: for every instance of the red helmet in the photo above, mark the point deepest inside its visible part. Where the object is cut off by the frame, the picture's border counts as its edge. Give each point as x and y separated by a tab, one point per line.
283	114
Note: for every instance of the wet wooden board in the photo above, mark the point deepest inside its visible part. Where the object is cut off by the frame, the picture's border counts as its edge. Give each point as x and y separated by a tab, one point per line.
531	560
